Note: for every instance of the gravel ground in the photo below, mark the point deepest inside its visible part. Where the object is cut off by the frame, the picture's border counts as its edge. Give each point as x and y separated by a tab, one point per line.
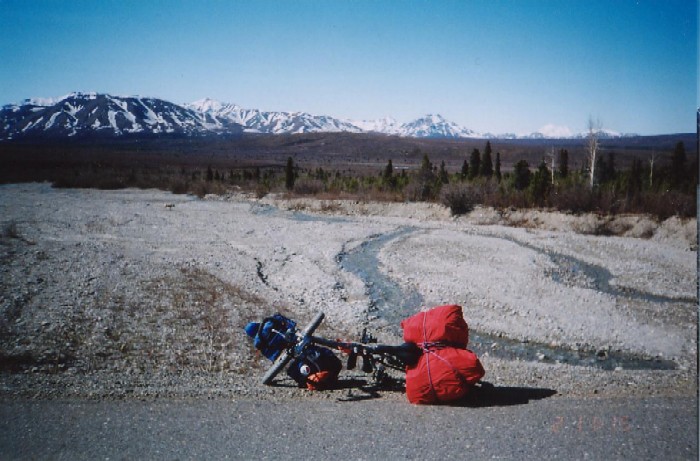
113	294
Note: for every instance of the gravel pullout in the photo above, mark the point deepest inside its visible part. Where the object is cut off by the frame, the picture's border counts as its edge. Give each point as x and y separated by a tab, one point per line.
111	294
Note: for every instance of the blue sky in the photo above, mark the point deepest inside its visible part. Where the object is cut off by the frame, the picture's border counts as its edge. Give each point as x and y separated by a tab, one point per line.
492	66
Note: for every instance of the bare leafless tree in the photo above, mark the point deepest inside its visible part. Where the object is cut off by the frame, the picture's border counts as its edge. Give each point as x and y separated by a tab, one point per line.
594	129
652	159
552	157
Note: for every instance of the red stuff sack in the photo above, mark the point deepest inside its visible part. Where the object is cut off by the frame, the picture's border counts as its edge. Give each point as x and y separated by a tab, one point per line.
442	375
442	323
446	369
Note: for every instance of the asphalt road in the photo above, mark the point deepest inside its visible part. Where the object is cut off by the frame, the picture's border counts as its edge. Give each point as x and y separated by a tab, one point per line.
526	427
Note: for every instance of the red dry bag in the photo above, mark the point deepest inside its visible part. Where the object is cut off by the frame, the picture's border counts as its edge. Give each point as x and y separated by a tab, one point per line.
447	369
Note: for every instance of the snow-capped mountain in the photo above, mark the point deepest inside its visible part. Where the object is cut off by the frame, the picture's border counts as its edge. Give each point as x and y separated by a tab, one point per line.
563	132
435	126
81	114
428	126
86	114
216	113
100	114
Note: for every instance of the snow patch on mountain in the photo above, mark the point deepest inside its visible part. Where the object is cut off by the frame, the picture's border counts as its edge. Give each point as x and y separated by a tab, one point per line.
555	131
386	125
216	113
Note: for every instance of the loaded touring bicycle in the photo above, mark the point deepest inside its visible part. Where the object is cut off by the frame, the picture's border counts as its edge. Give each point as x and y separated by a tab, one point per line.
439	367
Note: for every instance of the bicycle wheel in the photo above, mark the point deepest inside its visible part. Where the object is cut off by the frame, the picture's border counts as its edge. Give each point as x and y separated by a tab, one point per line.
311	327
286	356
276	367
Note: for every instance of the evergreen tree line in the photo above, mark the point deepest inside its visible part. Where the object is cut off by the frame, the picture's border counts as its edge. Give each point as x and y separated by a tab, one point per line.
659	185
650	187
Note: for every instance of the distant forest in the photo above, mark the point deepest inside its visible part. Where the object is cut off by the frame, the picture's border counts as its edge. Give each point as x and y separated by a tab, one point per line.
651	175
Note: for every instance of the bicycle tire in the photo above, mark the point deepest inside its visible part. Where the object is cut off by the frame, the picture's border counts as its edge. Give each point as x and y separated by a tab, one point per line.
276	367
287	356
311	327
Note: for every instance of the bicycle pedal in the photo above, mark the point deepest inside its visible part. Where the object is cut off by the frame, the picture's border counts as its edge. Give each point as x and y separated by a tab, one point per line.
367	365
352	360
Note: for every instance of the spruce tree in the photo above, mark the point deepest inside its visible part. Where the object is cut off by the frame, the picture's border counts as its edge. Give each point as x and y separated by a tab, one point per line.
563	163
465	170
426	169
388	175
289	174
486	162
388	171
521	175
474	164
444	177
540	184
426	179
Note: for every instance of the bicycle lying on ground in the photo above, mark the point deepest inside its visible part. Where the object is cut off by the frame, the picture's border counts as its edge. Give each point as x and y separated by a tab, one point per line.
439	366
292	344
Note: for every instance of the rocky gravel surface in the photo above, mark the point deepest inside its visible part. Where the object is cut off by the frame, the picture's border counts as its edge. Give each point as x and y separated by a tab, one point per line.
113	294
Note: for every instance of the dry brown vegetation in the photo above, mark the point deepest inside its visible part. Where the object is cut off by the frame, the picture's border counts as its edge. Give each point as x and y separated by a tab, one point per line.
184	320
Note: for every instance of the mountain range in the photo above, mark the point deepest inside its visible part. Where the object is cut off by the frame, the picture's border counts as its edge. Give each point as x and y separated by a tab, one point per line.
96	114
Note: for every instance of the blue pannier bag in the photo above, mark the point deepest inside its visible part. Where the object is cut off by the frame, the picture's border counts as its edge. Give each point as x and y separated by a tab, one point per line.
268	335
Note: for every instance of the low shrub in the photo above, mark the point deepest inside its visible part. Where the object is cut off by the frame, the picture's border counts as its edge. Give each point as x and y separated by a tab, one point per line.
459	198
179	186
308	187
